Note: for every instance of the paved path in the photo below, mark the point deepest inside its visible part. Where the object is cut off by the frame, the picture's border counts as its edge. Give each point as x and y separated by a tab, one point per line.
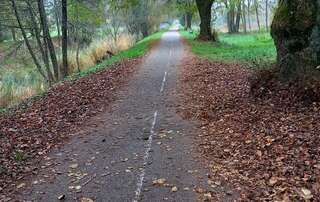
123	151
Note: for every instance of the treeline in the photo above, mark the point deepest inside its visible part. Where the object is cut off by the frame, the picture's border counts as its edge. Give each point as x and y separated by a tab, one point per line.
236	15
50	29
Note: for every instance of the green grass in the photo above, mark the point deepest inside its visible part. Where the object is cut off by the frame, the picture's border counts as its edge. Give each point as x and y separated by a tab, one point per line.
11	80
243	48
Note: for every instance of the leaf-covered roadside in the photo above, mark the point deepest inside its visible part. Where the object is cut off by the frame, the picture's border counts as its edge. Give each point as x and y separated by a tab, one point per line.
266	149
28	134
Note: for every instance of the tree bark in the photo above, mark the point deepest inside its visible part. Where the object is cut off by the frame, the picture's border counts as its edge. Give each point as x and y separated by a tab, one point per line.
144	28
65	69
256	5
238	17
267	15
296	32
244	18
204	8
47	37
188	20
57	17
13	33
249	14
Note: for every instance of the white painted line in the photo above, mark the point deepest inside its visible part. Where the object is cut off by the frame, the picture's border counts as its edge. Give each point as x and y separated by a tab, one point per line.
163	82
170	52
145	160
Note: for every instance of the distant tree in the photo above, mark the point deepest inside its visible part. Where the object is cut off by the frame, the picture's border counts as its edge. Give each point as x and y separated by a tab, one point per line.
234	9
267	14
256	8
249	13
188	8
244	17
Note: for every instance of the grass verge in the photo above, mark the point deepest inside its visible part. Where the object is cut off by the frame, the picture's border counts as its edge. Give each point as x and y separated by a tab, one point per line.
248	48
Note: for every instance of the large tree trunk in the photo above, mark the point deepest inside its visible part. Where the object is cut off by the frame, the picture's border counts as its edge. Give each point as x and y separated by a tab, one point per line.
204	8
296	32
64	28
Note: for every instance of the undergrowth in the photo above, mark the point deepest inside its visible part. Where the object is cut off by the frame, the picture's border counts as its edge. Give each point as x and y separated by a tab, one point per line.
17	84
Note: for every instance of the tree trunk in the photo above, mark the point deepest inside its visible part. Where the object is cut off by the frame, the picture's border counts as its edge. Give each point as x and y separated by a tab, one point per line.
57	17
64	28
230	18
204	8
13	33
47	37
249	14
185	22
26	40
188	20
237	25
267	15
43	50
257	13
77	57
144	28
244	19
296	33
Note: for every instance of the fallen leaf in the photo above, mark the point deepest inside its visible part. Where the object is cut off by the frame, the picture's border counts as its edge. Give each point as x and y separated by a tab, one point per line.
174	189
306	193
207	195
160	181
74	166
86	200
21	185
273	181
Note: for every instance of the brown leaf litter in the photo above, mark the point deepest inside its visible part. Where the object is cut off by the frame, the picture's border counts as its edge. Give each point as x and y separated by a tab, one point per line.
266	149
32	130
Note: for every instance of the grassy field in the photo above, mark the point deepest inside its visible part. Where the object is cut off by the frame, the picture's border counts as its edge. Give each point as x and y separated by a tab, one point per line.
18	83
245	48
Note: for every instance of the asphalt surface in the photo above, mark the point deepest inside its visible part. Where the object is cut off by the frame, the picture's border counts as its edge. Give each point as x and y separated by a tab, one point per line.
121	154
